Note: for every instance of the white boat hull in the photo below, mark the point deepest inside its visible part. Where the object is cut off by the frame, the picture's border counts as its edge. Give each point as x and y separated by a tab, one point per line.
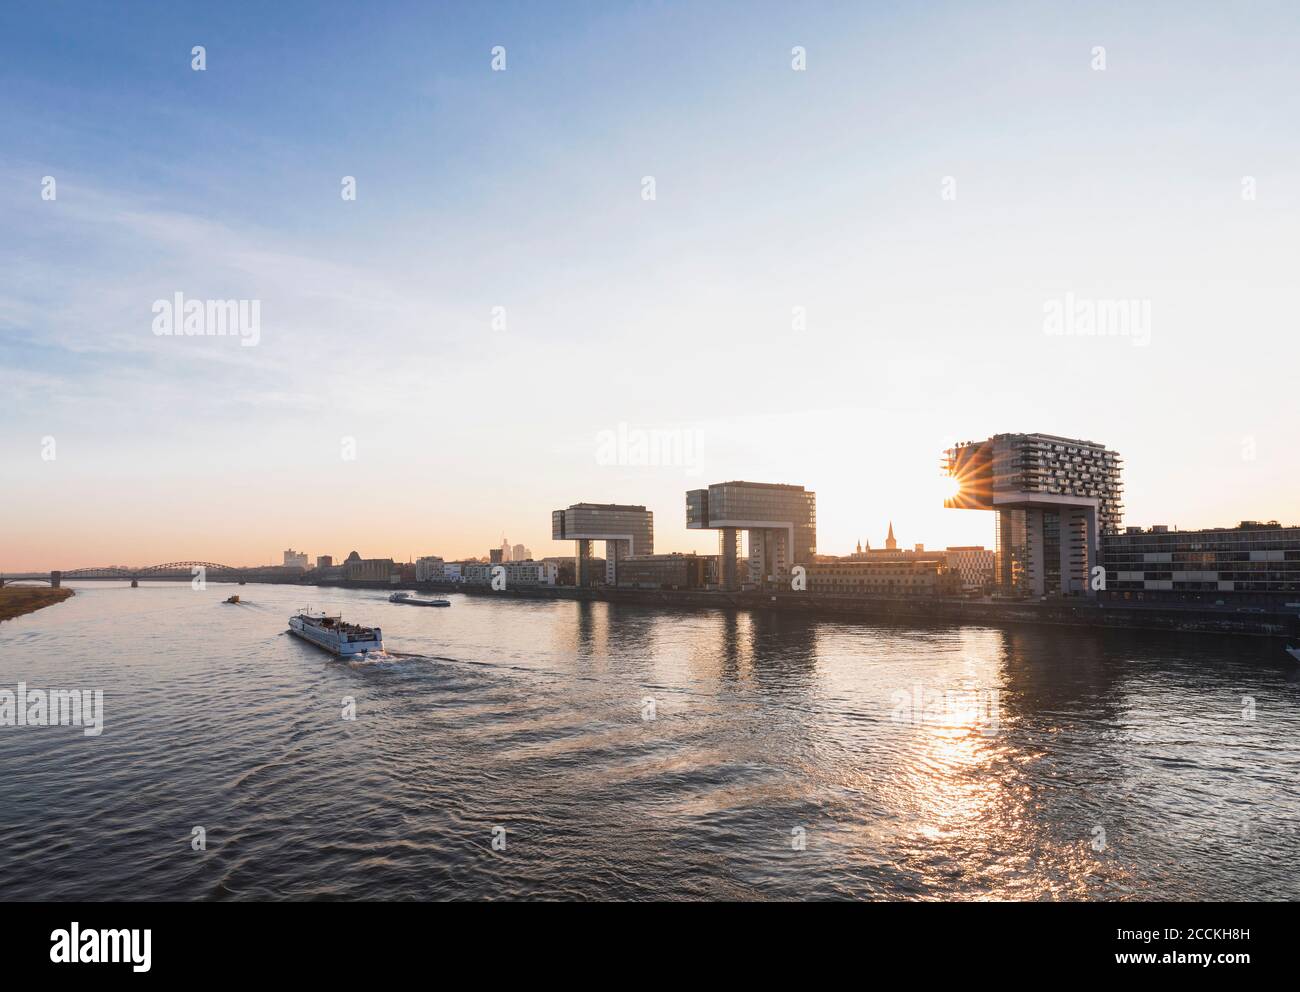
334	641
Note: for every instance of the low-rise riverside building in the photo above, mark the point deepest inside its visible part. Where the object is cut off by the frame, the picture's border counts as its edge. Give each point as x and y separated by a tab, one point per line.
515	573
668	571
1252	565
531	573
358	569
437	570
974	565
883	577
477	573
430	568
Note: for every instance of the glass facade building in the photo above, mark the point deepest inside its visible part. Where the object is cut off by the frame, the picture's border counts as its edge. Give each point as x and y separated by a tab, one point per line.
626	530
780	521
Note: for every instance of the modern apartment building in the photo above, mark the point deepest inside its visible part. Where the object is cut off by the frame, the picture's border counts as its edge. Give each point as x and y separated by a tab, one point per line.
1253	564
780	521
974	566
295	559
565	567
430	568
451	571
477	573
626	530
515	573
531	573
1055	497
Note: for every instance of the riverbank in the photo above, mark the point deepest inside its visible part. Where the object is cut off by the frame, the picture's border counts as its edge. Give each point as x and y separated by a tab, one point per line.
907	610
18	600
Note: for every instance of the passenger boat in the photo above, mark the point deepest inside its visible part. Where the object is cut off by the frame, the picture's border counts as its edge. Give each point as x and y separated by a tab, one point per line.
335	636
405	597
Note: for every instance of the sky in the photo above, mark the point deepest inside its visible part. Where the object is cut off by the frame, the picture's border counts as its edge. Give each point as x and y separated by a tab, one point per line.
842	269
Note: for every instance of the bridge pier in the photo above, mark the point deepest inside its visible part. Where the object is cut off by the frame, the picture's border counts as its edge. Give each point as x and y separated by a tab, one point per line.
55	579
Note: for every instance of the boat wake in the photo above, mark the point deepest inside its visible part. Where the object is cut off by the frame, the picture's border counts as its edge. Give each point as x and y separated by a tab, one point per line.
393	658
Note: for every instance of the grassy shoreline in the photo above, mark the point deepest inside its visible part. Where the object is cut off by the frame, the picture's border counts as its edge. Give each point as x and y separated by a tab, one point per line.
18	600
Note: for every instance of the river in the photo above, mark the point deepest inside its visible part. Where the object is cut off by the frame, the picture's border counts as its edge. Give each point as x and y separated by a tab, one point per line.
519	749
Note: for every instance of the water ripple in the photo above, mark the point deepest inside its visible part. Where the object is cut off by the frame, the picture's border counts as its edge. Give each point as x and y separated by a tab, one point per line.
779	758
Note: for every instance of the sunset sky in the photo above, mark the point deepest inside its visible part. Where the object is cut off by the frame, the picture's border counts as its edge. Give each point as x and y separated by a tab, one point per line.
775	190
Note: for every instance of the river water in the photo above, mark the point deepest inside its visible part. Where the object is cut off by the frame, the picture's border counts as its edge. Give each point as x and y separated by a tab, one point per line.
635	753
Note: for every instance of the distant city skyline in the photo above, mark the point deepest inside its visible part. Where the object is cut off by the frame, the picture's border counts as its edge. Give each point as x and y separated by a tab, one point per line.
844	267
690	542
327	558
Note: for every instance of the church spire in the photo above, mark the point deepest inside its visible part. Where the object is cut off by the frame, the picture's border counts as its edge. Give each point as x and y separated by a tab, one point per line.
890	543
